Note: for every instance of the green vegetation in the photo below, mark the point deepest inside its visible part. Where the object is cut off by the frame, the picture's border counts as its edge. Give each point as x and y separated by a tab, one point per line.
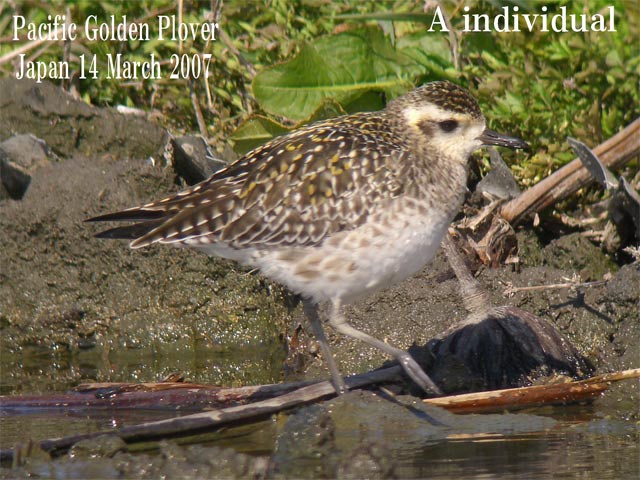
281	63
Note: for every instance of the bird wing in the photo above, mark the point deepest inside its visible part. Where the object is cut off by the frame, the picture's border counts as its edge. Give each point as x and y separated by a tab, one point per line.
295	190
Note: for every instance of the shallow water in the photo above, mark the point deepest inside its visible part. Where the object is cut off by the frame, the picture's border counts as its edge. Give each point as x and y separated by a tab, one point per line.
39	371
597	440
560	453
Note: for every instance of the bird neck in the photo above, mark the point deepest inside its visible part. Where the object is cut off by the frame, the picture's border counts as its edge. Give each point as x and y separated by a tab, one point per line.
436	175
438	179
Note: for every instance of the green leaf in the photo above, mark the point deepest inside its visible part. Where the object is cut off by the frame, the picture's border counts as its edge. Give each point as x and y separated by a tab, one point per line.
430	51
258	129
369	101
613	59
329	108
255	131
341	67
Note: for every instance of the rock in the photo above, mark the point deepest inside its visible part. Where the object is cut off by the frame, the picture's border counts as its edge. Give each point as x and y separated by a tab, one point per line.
28	151
306	437
506	348
192	160
102	446
20	157
14	181
363	434
499	182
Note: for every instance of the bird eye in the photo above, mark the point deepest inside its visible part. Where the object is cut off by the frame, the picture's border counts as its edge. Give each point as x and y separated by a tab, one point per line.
448	125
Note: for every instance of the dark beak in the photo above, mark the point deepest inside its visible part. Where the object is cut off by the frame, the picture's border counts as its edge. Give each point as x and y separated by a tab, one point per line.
489	137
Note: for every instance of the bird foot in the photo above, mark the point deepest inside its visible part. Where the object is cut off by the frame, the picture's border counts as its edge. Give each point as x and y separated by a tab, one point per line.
416	373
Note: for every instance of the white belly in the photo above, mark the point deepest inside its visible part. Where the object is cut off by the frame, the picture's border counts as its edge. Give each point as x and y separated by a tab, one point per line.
353	264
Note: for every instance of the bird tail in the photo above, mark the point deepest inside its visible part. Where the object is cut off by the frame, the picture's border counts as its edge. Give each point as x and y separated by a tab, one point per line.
146	221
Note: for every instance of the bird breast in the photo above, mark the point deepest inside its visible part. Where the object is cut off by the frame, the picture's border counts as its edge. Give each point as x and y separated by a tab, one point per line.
392	245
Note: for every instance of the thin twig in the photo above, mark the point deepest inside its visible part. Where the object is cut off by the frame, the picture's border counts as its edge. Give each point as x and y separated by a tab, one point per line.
180	9
228	42
202	125
510	291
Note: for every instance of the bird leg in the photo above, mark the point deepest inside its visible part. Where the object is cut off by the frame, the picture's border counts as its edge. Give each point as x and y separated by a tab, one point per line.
311	311
410	366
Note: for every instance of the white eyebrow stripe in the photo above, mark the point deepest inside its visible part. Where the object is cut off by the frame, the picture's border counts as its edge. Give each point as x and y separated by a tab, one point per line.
415	115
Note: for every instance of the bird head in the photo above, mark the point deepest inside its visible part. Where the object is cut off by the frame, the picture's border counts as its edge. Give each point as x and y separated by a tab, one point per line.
445	118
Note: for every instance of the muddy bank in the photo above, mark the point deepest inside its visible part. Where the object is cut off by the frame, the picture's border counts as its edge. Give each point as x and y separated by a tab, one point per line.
73	308
70	126
76	309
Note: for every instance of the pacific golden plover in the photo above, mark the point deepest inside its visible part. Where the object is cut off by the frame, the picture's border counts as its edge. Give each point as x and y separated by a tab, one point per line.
337	209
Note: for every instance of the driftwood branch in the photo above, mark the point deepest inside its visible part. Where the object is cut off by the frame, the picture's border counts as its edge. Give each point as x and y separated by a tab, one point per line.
197	422
474	402
516	398
613	153
148	396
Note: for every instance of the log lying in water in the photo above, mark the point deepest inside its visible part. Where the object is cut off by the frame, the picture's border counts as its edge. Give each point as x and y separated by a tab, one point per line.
210	420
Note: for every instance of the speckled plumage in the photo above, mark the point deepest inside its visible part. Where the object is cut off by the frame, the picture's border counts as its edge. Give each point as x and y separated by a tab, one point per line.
294	190
338	208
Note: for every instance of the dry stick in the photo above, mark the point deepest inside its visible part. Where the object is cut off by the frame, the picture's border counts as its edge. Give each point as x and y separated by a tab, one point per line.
229	43
498	400
470	402
210	419
614	153
511	290
180	9
195	103
150	396
28	46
